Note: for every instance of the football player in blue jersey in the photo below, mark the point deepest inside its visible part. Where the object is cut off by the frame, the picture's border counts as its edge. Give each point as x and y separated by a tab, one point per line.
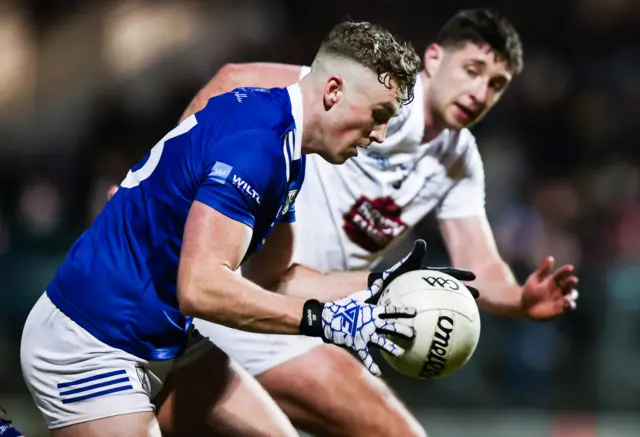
470	64
109	349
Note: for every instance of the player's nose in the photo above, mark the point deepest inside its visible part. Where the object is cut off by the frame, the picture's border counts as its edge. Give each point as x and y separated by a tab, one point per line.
479	94
378	133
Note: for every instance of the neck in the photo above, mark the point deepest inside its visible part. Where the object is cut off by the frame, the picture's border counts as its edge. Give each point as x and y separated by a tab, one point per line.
311	132
432	126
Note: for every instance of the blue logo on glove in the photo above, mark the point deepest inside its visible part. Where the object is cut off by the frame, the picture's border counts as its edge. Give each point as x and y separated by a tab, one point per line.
350	319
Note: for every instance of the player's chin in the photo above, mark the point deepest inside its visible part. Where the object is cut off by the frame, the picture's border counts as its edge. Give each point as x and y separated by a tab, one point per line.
455	123
337	160
332	158
343	156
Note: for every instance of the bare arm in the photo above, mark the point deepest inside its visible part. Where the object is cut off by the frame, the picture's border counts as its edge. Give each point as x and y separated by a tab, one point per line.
232	76
209	287
472	246
271	268
309	283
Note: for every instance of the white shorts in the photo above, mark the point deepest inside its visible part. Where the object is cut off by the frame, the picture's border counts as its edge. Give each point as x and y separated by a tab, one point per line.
73	377
256	353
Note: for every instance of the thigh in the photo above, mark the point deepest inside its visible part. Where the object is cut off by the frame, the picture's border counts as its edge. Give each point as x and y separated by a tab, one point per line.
127	425
327	392
212	396
73	377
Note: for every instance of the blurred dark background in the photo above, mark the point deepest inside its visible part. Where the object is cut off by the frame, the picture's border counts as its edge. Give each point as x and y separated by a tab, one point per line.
87	87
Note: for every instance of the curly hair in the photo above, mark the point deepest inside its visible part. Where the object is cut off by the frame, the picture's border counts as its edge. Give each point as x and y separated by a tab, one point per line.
378	50
484	26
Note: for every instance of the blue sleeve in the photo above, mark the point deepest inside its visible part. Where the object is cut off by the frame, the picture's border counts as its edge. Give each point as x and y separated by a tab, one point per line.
239	172
290	216
299	167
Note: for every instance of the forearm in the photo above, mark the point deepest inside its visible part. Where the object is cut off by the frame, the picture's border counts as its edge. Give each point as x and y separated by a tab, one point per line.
500	293
307	283
235	302
472	246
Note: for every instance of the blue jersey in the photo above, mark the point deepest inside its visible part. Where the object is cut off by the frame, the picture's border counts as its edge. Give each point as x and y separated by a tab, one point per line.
241	155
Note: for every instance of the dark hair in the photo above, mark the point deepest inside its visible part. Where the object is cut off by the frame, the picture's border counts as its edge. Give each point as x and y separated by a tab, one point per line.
377	49
484	26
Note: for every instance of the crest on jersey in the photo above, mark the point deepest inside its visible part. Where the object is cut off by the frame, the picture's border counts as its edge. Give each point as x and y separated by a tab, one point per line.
291	196
373	224
220	172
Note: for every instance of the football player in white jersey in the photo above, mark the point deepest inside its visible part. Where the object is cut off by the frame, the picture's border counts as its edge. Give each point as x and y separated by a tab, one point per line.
350	215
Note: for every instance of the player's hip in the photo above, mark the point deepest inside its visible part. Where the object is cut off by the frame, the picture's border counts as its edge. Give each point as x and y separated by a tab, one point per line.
74	377
132	318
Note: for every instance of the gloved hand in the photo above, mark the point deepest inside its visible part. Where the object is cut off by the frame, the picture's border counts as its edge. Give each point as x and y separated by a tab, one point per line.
414	261
356	323
356	320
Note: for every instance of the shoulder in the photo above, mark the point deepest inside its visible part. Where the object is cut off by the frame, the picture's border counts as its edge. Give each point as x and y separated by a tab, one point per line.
255	147
459	144
250	108
460	154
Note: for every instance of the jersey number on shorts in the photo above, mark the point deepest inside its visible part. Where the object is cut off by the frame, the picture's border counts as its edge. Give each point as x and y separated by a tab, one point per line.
134	178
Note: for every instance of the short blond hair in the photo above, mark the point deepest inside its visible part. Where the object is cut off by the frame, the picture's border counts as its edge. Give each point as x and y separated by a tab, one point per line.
378	50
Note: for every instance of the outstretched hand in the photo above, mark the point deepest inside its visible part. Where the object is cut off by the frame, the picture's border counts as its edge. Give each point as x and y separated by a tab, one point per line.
549	293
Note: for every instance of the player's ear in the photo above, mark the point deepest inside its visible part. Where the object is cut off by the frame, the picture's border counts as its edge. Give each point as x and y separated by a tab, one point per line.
432	58
332	91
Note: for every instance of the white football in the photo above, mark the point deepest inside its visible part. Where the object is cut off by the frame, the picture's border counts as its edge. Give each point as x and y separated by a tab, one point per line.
447	323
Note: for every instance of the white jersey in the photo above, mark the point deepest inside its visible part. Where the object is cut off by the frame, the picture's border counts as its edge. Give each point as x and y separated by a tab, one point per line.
349	215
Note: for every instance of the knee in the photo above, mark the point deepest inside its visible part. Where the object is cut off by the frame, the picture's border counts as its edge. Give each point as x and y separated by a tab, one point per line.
387	417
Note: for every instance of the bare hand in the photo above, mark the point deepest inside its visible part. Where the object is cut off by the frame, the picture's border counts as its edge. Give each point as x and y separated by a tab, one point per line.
547	293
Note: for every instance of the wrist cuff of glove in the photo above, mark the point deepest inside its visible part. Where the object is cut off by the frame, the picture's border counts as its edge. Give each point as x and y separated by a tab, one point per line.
373	276
311	323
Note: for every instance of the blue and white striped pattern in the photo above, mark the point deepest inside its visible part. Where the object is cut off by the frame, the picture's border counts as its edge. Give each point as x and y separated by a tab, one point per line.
94	386
287	151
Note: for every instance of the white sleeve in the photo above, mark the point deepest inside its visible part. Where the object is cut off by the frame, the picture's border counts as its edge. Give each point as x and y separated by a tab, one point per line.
467	196
304	70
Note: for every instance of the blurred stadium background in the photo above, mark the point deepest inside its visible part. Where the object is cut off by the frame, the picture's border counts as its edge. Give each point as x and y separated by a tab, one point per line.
86	87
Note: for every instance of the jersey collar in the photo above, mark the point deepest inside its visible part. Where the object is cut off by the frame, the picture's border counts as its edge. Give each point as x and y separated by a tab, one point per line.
296	110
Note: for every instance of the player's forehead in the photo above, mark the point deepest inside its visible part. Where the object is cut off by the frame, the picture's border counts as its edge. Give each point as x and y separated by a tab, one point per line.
481	55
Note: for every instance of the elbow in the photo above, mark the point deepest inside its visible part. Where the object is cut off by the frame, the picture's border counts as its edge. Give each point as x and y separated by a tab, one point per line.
189	295
188	301
202	295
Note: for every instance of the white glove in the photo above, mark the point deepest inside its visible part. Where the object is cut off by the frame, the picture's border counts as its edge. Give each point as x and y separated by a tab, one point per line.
356	321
